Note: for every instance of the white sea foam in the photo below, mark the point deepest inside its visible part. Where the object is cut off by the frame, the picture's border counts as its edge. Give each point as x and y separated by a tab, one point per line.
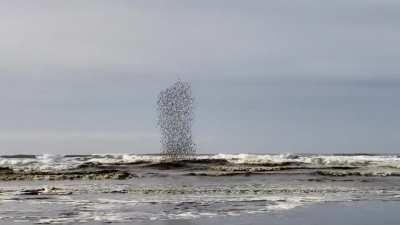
125	158
386	163
40	163
314	160
283	206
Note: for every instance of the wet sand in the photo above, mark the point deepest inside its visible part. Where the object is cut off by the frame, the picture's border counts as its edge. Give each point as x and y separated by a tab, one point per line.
350	213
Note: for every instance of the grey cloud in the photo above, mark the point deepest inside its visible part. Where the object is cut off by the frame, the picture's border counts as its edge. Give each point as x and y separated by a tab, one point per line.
296	38
269	76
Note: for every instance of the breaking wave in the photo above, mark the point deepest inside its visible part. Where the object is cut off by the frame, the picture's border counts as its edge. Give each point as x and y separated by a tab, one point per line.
213	165
129	188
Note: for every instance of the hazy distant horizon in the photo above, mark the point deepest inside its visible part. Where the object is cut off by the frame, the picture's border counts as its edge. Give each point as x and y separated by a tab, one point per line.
268	77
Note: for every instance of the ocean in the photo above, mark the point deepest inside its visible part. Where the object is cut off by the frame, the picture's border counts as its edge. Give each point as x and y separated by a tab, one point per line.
202	189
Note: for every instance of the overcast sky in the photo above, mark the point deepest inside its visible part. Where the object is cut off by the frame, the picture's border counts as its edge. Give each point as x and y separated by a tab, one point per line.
268	76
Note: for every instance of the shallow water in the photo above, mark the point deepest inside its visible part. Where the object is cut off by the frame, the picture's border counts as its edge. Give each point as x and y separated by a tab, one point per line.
192	192
179	197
